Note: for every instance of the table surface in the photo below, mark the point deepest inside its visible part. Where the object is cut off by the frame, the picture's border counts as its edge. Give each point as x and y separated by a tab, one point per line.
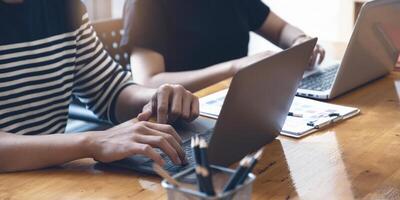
358	158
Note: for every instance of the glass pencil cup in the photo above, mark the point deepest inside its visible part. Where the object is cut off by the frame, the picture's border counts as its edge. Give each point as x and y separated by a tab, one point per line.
221	175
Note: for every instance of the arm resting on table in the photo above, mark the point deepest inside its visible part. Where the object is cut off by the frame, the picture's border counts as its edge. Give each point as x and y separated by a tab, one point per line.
19	152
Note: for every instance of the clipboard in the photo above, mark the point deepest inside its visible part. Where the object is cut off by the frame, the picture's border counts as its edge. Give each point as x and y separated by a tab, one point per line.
311	116
306	116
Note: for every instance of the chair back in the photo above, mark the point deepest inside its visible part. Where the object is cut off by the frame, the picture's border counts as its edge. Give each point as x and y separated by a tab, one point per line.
110	33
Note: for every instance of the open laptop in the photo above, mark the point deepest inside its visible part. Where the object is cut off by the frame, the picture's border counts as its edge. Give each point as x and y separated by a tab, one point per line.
370	54
252	115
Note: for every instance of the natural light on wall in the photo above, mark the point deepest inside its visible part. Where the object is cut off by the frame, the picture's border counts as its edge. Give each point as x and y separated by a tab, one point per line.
117	8
330	20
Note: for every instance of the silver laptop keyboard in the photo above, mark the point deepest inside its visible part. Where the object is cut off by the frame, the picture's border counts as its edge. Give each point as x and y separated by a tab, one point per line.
320	81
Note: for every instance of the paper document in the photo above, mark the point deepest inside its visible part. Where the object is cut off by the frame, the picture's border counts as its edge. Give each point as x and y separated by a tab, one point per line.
305	115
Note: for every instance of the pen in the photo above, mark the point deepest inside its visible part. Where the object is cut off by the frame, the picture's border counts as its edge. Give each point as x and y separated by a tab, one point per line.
319	125
292	114
334	115
338	118
311	123
253	163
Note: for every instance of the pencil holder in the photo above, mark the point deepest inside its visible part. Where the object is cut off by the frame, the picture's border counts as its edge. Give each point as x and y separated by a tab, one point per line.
221	175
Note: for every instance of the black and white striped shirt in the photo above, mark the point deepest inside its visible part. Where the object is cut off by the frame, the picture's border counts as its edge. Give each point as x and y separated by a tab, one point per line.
48	53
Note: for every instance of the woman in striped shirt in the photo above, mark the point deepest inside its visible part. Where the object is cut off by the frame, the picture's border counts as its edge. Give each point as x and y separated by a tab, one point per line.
50	53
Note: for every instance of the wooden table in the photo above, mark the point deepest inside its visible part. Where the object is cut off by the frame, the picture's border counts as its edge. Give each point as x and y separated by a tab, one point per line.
359	158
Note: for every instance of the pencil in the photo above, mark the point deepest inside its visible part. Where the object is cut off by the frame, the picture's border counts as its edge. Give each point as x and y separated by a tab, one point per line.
204	162
196	153
164	174
200	179
205	180
253	162
203	154
196	150
233	181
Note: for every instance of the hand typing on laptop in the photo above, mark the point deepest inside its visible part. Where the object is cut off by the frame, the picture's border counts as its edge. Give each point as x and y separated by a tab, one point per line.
169	103
137	138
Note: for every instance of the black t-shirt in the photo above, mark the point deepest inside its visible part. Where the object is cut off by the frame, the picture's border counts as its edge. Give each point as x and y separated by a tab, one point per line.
193	34
33	19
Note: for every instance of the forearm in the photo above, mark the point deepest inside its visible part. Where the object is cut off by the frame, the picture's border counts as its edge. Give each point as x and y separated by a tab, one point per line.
289	36
278	31
33	152
198	79
150	70
194	80
131	101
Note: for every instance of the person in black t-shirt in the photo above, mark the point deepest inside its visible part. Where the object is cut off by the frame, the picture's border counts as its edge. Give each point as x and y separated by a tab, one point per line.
199	42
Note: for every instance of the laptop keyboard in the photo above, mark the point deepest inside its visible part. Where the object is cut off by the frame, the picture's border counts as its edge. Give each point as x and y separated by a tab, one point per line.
320	81
172	168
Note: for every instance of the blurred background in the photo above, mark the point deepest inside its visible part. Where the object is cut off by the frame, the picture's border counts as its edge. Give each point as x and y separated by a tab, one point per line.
329	20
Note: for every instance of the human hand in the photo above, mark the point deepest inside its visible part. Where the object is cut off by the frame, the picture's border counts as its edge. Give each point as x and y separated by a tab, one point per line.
136	138
169	103
318	54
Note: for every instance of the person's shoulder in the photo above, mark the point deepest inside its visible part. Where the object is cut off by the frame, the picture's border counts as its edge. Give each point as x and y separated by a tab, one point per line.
148	8
76	7
72	12
57	4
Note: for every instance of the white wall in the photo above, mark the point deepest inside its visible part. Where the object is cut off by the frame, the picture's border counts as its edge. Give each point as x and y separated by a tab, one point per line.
330	20
117	8
98	10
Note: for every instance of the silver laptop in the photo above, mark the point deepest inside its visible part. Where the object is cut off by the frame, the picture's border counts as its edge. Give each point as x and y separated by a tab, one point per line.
370	54
252	115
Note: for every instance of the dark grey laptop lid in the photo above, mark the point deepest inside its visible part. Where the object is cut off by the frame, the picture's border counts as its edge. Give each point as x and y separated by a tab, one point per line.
257	104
